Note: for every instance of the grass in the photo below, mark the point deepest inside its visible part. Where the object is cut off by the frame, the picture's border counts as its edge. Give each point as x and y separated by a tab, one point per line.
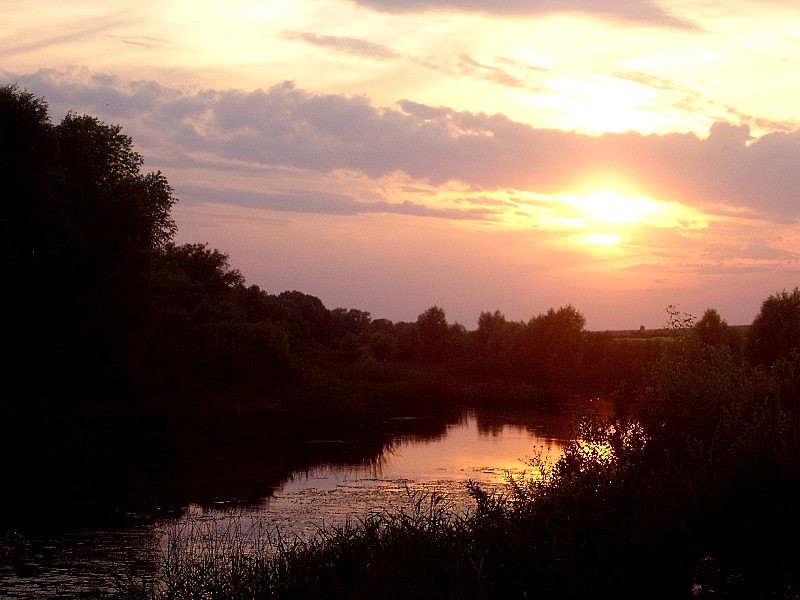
375	556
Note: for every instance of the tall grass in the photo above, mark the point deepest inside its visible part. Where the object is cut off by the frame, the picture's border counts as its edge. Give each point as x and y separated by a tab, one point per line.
379	555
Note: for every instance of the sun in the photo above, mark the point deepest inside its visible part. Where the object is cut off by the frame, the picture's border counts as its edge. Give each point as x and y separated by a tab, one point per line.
608	218
610	207
601	239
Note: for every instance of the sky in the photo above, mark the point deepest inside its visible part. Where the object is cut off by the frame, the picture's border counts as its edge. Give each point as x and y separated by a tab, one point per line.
521	155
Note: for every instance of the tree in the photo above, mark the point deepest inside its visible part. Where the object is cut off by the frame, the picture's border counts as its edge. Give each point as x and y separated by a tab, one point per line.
492	329
82	227
117	222
433	334
32	223
310	321
350	321
713	330
553	346
206	266
494	344
199	282
775	332
117	205
28	159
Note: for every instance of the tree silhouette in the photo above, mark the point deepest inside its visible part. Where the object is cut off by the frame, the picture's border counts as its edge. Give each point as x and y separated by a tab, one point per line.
775	331
433	334
553	346
713	330
82	226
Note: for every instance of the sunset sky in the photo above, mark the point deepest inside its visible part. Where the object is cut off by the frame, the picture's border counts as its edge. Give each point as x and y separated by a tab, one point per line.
518	155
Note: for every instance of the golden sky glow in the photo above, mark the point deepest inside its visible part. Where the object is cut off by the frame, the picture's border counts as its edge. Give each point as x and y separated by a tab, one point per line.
389	156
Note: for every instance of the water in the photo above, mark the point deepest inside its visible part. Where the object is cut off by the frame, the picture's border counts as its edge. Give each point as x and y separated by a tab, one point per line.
478	447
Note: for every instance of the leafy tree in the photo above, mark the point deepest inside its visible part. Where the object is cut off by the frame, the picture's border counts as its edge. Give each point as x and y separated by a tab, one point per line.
494	344
28	162
117	206
491	334
191	286
433	334
350	321
775	331
553	346
199	280
408	341
383	339
32	223
309	320
119	219
713	330
82	226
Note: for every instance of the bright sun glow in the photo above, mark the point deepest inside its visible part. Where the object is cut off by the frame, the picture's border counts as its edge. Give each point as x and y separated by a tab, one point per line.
607	206
601	239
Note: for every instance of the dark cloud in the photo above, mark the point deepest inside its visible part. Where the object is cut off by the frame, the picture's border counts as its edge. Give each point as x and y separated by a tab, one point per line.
289	127
644	12
348	45
328	204
97	94
144	41
477	70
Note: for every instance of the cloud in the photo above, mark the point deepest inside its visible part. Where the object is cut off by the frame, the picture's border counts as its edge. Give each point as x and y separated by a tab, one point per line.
730	170
638	11
477	70
77	89
316	202
348	45
143	41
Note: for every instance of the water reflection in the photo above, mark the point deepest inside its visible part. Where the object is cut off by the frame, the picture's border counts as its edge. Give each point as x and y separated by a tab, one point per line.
351	479
482	447
472	448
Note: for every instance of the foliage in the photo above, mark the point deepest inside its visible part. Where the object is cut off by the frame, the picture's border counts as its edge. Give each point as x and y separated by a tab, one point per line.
713	330
775	331
553	345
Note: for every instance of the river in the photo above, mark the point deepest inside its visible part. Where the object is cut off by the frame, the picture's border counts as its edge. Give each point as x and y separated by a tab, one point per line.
478	446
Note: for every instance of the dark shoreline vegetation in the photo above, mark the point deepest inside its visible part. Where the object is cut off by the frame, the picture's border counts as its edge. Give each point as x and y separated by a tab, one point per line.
144	375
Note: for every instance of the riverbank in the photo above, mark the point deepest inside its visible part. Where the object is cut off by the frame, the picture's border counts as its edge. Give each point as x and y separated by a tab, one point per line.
696	498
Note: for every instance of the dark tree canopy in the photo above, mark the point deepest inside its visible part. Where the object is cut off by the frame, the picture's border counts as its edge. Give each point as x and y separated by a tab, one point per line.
81	228
713	330
554	345
775	331
433	334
